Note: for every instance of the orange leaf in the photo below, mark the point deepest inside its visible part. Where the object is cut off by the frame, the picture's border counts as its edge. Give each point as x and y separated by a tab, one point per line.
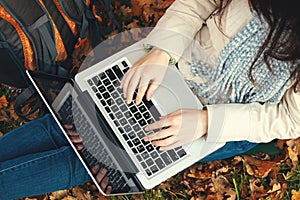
3	102
259	167
295	195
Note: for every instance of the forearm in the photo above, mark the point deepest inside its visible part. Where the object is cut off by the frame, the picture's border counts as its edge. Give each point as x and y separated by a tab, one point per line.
255	122
179	25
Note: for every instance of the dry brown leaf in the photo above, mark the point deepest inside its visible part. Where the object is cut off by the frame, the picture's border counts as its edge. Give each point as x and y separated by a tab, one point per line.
3	102
137	6
293	150
69	198
163	4
259	167
58	195
293	155
295	195
275	188
125	10
256	191
223	188
12	112
80	193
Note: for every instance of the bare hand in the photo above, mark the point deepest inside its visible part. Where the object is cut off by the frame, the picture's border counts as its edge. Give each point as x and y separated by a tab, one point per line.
178	128
74	137
102	179
146	75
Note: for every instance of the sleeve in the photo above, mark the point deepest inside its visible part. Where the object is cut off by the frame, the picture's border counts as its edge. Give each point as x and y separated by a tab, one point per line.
177	28
255	122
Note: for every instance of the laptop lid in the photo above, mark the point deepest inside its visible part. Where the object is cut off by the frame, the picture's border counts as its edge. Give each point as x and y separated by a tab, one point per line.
98	148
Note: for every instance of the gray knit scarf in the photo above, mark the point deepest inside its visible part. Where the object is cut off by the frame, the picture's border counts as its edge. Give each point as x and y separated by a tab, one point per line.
228	81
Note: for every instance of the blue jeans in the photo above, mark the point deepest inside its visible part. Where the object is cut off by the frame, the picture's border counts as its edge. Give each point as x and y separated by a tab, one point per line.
36	159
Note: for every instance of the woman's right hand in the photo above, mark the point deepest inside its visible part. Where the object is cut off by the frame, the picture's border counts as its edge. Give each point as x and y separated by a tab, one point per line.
146	75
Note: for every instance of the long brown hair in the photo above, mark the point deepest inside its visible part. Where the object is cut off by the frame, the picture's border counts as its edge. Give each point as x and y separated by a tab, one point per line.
283	39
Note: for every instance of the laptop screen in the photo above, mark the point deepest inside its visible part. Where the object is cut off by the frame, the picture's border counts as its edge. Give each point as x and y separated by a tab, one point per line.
91	137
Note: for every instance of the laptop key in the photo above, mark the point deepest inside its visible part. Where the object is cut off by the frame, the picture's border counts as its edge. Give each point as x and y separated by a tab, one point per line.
124	63
110	74
142	108
131	135
154	169
150	147
181	153
90	82
140	149
145	155
117	71
110	88
115	95
159	163
154	154
106	82
173	155
148	172
136	142
96	80
142	122
133	109
101	89
166	158
106	95
123	108
149	162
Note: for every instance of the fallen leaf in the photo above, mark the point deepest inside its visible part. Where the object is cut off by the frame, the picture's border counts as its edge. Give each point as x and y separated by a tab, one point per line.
223	188
275	188
3	102
256	191
58	194
258	167
12	112
69	198
80	193
295	195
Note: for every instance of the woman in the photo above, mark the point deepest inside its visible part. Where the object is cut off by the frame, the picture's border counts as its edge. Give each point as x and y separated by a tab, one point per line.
237	52
243	64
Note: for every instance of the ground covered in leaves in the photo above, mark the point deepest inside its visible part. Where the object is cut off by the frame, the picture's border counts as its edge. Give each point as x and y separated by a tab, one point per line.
260	176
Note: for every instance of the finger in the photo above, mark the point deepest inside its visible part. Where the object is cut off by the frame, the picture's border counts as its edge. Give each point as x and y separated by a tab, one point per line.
163	122
164	142
171	146
104	183
126	80
72	133
95	169
108	189
123	79
141	91
101	175
79	147
76	139
163	134
132	87
151	89
68	126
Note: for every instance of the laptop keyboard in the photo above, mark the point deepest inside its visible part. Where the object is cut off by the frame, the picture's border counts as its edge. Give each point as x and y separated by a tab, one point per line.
96	153
130	119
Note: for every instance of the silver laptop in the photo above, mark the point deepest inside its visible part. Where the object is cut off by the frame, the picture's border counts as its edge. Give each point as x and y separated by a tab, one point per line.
112	130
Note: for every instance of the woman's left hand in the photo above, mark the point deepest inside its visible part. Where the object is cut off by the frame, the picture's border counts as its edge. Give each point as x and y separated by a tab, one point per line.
178	128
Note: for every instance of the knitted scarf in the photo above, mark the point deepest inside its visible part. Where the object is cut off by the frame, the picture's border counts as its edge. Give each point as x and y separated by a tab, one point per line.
228	81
